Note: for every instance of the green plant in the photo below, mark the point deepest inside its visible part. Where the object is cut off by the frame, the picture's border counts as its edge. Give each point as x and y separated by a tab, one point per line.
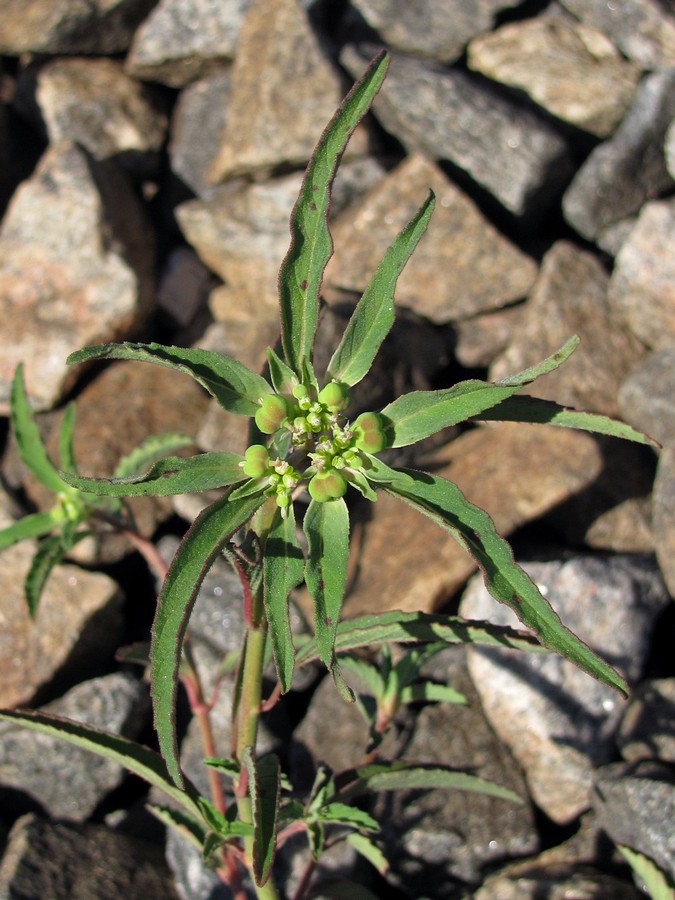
301	439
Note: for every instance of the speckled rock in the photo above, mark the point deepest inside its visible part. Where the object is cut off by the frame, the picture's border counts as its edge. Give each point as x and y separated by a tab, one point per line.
647	396
622	173
516	156
93	103
462	265
663	512
182	40
117	704
557	721
70	26
573	71
642	287
76	268
645	731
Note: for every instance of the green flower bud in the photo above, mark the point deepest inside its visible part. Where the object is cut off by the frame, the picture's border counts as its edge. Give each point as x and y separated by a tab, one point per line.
334	396
327	485
256	461
299	391
273	410
369	434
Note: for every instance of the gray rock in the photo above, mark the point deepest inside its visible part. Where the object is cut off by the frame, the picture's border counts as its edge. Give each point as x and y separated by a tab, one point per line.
642	287
663	512
647	396
646	729
670	150
435	28
433	838
570	297
192	880
70	26
520	159
462	266
557	885
92	102
78	620
184	286
635	804
196	127
76	268
626	170
573	71
644	30
482	338
284	92
57	860
117	704
182	40
557	721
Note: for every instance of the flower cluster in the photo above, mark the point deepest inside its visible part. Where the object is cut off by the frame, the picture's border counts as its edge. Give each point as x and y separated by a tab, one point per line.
337	450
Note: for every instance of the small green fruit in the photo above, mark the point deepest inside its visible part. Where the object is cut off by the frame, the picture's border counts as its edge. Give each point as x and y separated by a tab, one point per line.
369	434
327	485
273	410
334	396
256	461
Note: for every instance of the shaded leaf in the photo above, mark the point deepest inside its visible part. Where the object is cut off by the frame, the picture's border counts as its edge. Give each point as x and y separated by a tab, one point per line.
344	814
50	551
30	526
656	882
210	530
430	692
189	826
311	244
283	569
66	449
28	439
235	387
149	449
364	845
533	409
173	475
374	314
265	790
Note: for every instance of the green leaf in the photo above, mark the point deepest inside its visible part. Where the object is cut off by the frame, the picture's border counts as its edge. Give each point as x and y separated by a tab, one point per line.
227	765
149	449
282	377
374	315
30	526
657	883
265	790
173	475
414	416
364	845
136	758
234	386
210	530
326	527
189	826
429	692
533	409
365	672
28	439
49	552
66	449
547	365
405	627
311	244
472	527
283	569
402	776
344	814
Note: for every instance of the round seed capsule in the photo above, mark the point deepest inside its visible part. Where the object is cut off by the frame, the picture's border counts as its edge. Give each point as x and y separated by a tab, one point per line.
256	461
369	433
327	485
334	396
271	414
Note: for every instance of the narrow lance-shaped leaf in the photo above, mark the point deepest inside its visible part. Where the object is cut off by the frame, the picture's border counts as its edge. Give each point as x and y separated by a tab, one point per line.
264	784
135	757
173	475
234	386
405	627
49	552
30	526
374	314
419	414
28	438
199	547
66	449
326	526
533	409
283	569
472	527
311	244
151	448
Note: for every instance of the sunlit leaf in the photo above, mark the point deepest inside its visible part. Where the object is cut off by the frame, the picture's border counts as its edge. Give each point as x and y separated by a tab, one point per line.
311	244
148	450
28	439
265	791
30	526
